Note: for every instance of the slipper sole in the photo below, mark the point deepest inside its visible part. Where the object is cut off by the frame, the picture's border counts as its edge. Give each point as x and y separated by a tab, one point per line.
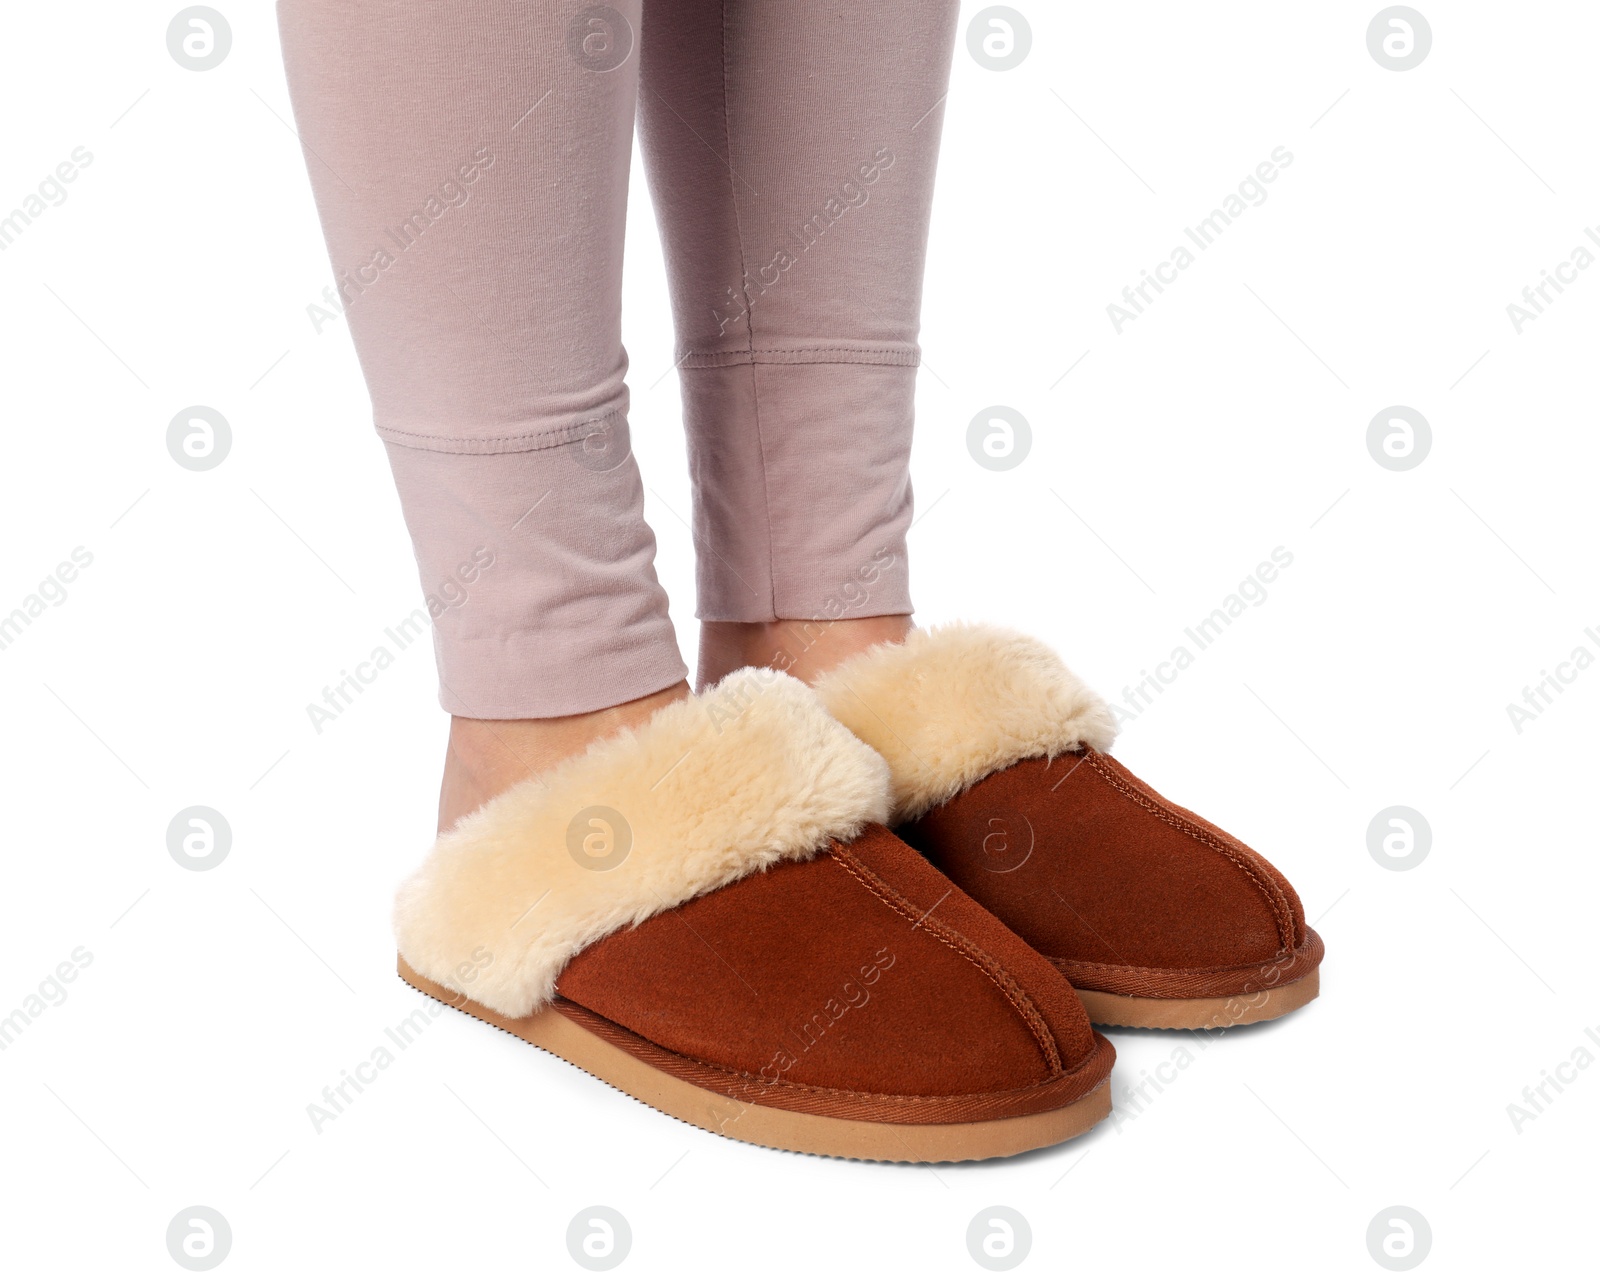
1218	1013
559	1033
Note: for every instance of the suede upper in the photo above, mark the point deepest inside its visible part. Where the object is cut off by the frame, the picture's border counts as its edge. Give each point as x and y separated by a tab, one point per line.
1105	876
998	776
863	970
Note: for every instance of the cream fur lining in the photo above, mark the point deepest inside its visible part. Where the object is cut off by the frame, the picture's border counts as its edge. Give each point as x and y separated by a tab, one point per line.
711	789
954	703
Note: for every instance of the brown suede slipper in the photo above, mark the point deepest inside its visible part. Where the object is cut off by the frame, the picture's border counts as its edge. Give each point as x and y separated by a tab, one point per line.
1158	918
707	914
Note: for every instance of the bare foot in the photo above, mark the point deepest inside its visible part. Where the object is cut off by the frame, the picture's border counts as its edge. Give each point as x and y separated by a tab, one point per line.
805	649
486	756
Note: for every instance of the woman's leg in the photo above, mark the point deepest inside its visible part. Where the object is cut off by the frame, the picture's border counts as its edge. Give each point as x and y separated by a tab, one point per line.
470	163
791	147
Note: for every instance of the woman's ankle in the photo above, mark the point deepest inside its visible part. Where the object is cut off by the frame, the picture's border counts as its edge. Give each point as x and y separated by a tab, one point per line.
487	756
805	649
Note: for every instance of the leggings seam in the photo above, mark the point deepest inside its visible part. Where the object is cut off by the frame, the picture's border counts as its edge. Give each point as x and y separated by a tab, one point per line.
750	319
865	355
523	442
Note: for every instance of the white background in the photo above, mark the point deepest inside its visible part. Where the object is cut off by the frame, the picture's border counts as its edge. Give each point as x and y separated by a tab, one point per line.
1229	419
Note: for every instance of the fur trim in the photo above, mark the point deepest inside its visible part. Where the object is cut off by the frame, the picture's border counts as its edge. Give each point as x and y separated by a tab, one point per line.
710	789
952	704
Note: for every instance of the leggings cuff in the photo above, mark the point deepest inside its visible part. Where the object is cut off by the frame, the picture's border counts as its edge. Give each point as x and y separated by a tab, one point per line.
802	489
539	675
538	571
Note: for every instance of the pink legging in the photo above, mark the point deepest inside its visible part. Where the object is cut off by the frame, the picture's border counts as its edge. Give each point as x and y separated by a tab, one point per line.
470	164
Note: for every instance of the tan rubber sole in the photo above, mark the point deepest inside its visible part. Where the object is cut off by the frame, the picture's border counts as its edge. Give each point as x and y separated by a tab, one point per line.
1199	1013
781	1128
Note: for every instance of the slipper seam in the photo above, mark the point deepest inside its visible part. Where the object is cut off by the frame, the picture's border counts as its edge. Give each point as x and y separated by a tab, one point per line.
1283	922
969	950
